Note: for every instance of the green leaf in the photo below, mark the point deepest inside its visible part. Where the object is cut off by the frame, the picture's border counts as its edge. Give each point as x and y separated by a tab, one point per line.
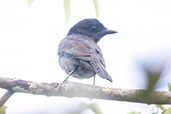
95	108
169	85
153	74
67	10
168	111
134	113
161	107
30	2
2	110
96	6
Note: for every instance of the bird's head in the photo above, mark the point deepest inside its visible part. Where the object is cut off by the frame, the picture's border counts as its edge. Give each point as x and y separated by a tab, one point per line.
91	28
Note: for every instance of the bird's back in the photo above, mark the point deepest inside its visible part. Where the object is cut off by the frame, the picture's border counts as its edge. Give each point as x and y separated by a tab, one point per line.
79	50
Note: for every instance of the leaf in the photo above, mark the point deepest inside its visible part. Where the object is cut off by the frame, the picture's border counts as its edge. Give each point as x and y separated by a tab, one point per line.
67	10
153	72
169	85
134	113
96	6
30	2
2	110
161	107
95	108
168	111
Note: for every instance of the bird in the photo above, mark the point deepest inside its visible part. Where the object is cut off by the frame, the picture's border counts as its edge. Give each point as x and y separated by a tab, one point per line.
79	54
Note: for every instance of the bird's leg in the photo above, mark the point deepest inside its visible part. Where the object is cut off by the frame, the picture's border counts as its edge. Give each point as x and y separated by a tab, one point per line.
94	79
70	74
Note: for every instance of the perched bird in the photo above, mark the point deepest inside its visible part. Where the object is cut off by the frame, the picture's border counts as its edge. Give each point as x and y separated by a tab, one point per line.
79	54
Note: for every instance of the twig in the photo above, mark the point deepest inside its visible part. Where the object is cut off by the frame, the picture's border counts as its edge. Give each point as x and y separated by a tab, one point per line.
5	97
83	90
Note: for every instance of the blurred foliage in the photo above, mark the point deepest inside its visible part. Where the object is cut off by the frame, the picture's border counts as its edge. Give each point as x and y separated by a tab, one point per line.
96	6
134	113
153	77
2	110
83	106
95	108
164	110
30	2
67	8
169	85
153	72
168	111
161	107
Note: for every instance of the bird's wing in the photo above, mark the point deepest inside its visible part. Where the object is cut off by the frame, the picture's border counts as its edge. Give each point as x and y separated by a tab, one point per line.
76	49
84	50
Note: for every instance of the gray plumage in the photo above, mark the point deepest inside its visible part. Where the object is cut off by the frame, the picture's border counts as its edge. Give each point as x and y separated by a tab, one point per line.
79	54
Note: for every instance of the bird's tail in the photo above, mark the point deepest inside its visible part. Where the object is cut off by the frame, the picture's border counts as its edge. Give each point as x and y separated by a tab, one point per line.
100	70
103	74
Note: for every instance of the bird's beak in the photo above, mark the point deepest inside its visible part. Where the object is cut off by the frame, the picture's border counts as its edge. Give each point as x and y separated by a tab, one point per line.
108	31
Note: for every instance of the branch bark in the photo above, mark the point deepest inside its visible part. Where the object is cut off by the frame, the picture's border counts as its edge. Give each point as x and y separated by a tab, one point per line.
82	90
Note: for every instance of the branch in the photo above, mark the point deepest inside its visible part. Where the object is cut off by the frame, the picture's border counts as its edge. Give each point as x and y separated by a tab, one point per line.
83	90
5	97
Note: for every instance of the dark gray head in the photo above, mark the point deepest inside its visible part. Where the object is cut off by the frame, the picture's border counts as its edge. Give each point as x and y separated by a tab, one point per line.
92	28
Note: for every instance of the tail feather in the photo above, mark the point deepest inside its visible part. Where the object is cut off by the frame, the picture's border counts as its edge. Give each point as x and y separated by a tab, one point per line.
103	74
100	70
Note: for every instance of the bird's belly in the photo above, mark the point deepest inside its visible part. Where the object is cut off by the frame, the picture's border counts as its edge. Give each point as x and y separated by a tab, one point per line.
83	72
84	69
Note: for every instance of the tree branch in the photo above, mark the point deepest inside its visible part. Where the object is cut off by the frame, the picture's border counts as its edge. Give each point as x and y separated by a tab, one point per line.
83	90
5	97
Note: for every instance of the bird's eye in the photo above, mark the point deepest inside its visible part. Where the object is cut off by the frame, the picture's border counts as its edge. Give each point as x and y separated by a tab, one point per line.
93	28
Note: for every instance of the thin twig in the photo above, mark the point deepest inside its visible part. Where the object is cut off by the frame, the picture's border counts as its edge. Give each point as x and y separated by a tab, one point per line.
5	97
